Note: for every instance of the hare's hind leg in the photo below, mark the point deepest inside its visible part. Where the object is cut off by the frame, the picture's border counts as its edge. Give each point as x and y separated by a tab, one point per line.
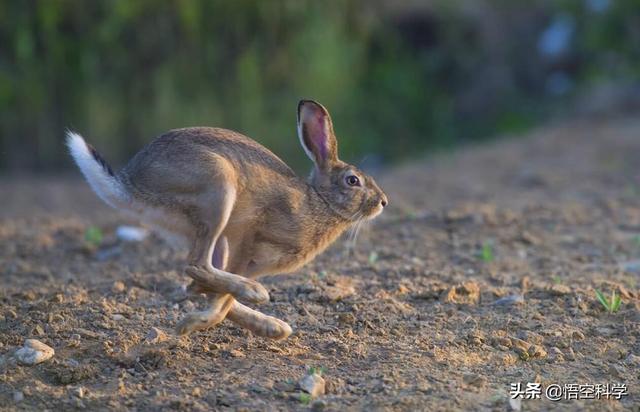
219	304
222	306
209	229
210	215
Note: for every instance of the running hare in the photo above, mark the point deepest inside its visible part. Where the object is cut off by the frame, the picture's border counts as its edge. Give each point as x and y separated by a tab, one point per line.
243	210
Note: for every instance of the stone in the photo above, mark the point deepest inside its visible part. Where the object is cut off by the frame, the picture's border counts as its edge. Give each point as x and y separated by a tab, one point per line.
555	354
633	360
18	396
515	404
537	351
118	287
503	341
510	300
520	344
79	392
131	233
313	384
34	352
318	405
155	335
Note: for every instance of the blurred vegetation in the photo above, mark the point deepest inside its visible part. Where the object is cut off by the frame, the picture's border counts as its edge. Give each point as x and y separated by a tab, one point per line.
398	77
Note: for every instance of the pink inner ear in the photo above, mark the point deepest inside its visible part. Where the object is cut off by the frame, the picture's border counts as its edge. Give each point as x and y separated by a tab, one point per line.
317	130
321	139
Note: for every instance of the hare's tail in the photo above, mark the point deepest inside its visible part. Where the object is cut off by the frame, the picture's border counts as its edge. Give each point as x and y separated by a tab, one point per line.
98	172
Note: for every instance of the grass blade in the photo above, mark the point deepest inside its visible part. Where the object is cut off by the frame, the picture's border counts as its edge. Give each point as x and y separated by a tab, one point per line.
602	299
615	305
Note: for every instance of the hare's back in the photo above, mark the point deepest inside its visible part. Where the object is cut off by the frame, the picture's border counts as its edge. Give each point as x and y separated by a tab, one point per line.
182	160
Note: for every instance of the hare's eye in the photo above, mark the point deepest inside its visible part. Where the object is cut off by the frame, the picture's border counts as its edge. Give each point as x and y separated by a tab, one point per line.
352	180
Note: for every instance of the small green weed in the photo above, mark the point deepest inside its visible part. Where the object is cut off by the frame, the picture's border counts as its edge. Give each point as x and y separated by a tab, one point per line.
304	398
611	305
316	370
486	254
93	235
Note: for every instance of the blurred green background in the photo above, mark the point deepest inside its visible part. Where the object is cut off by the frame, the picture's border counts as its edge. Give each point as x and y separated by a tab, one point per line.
399	77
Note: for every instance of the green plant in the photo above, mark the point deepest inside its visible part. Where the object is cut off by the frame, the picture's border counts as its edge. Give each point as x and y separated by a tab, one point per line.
611	305
93	235
316	370
373	257
304	398
486	254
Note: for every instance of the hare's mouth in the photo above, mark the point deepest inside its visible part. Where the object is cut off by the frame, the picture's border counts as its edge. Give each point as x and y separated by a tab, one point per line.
375	212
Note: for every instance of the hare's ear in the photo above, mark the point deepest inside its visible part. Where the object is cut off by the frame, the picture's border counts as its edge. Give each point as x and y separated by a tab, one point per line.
316	134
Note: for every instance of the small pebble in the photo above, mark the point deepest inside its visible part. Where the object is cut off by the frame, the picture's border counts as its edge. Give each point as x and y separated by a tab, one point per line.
313	384
537	351
570	354
515	404
520	344
155	335
18	396
633	360
79	392
118	287
34	352
318	405
117	317
502	341
509	300
131	233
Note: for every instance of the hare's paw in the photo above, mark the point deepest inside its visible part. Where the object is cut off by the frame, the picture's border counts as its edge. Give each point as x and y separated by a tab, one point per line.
253	292
214	280
258	323
276	329
198	321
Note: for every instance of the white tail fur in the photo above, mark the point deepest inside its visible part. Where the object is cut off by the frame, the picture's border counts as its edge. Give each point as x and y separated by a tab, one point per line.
97	172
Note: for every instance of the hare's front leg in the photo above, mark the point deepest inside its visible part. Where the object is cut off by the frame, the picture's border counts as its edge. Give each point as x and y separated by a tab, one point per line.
257	322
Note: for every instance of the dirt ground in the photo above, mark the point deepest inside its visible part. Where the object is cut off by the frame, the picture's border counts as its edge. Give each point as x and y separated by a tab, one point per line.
481	273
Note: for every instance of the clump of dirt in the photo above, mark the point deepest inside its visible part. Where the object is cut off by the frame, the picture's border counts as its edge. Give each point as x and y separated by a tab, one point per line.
480	274
69	373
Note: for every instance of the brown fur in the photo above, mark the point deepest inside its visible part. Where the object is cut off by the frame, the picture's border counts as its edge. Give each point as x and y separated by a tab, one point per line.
235	199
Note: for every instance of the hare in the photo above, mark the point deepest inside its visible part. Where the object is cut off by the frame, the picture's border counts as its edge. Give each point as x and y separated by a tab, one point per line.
243	210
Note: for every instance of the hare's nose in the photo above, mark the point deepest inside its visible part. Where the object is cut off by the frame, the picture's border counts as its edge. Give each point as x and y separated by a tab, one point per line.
384	201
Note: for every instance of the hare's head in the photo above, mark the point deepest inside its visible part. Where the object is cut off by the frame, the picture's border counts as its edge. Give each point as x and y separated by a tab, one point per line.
346	189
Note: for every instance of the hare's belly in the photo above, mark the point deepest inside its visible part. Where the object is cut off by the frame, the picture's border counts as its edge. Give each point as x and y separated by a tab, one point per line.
272	258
